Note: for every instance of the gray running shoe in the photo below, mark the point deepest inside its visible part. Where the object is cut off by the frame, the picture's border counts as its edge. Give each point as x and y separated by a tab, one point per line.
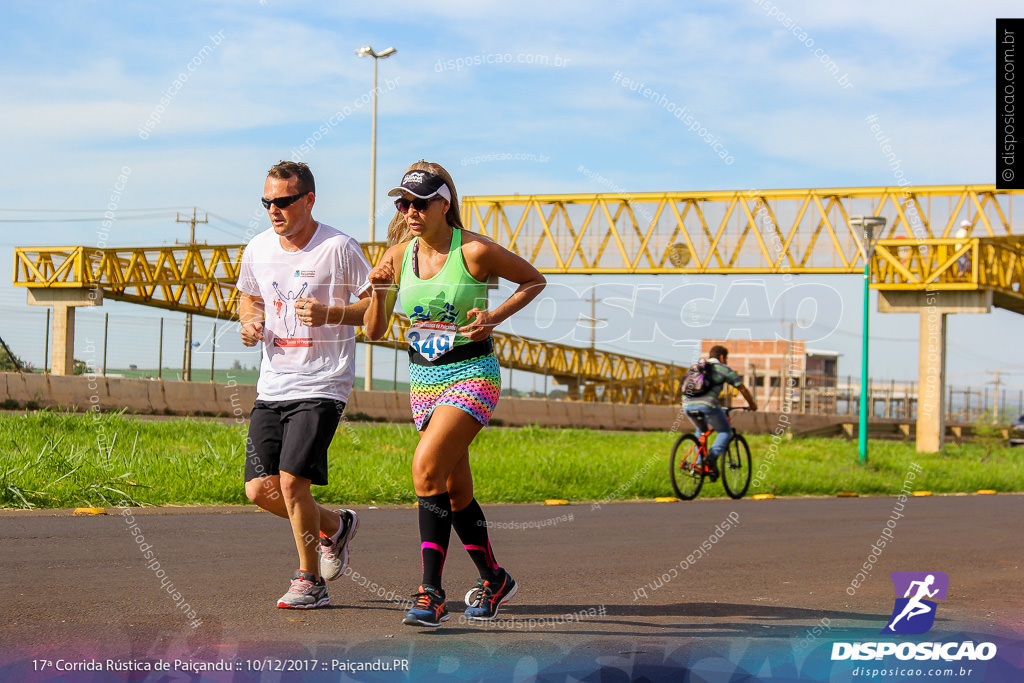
334	556
306	592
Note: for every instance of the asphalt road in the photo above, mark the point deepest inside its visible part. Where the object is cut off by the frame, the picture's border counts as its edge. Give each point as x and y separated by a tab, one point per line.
645	589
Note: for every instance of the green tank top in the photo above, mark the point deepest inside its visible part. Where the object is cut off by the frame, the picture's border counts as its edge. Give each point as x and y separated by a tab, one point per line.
447	296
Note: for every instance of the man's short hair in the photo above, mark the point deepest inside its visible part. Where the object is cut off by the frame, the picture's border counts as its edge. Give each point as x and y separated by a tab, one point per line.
718	351
294	169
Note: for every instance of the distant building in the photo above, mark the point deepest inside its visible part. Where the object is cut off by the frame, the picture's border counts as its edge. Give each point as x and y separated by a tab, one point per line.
782	371
822	368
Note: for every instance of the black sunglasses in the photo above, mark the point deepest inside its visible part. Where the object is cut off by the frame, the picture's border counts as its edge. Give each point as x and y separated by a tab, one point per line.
403	204
282	202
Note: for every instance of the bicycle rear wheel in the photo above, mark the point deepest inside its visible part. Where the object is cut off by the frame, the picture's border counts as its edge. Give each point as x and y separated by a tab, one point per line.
687	475
735	467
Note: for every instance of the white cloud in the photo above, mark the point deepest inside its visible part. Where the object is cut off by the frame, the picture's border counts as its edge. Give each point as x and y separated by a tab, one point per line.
80	80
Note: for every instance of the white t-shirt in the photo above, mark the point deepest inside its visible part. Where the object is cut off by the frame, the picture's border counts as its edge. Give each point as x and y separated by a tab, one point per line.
302	362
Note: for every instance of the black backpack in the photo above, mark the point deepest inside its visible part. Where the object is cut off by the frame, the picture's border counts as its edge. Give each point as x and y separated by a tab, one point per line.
698	380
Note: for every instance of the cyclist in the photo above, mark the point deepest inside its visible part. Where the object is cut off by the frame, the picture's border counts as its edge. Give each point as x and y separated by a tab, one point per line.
707	404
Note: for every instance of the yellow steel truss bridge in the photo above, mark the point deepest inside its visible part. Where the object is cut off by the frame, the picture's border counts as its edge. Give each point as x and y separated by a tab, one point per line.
724	232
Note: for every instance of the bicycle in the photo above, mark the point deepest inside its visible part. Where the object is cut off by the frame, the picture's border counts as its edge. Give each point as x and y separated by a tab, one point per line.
688	466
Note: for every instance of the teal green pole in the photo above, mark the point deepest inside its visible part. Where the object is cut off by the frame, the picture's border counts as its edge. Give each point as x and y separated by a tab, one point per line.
863	430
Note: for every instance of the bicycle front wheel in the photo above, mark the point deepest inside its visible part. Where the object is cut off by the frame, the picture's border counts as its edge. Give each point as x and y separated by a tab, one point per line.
735	467
687	474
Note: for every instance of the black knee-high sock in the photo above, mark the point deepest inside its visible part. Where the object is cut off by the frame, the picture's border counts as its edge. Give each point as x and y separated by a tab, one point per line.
435	532
471	527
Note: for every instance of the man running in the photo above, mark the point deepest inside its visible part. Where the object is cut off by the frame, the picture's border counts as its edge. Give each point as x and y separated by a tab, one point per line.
314	279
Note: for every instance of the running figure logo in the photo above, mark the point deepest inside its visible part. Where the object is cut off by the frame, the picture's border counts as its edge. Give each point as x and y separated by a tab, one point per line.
913	613
290	317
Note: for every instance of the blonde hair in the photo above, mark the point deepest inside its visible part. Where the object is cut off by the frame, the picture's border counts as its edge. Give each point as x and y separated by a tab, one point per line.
399	232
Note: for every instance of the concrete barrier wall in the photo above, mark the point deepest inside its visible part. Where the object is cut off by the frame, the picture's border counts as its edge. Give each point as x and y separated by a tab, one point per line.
148	397
173	397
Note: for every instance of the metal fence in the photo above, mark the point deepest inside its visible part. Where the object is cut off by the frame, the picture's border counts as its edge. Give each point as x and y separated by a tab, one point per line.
888	398
132	343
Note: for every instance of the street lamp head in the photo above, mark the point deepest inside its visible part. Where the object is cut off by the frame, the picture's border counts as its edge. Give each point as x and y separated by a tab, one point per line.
871	228
367	51
868	224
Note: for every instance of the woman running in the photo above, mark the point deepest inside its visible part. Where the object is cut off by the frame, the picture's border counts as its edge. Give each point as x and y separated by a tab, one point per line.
442	271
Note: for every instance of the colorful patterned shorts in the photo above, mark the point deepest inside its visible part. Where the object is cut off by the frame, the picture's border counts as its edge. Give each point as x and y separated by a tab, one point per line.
472	385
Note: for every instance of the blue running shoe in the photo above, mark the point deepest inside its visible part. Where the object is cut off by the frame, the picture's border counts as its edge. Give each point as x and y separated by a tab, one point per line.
429	609
483	601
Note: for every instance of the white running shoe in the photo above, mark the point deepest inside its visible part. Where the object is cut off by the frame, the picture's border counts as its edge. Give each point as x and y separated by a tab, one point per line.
306	592
334	556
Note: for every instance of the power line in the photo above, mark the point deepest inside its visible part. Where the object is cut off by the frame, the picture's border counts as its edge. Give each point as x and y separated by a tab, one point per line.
83	220
38	210
874	338
229	221
124	219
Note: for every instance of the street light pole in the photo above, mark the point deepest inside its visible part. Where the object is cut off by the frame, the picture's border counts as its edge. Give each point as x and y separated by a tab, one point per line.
865	389
870	227
367	51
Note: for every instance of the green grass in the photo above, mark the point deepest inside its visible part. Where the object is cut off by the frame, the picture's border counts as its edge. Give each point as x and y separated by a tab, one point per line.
831	466
55	460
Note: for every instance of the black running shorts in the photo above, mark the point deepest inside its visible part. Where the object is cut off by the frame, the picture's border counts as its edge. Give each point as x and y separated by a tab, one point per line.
292	436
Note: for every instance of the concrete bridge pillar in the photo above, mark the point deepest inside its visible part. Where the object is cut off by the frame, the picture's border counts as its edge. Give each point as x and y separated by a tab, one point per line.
64	302
933	306
931	378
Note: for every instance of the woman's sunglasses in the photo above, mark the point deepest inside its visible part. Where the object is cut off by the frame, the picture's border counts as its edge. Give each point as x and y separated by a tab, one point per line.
420	205
282	202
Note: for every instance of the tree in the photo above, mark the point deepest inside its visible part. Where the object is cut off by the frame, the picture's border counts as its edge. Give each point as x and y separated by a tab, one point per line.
9	362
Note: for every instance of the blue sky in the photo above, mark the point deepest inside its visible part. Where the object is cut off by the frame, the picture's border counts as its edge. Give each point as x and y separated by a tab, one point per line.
511	98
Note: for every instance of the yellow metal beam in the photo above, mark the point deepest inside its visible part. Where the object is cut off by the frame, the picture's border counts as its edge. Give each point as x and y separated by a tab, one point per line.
725	232
191	279
589	374
201	280
995	263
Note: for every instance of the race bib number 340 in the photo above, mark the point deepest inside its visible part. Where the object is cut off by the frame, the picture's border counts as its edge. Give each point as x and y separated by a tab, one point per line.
432	339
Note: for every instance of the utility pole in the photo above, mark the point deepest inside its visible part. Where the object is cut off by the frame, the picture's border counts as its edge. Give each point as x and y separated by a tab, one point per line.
789	352
996	382
46	344
186	362
592	318
792	377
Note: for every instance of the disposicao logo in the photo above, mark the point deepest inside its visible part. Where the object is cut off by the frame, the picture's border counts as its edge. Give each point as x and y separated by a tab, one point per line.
914	613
